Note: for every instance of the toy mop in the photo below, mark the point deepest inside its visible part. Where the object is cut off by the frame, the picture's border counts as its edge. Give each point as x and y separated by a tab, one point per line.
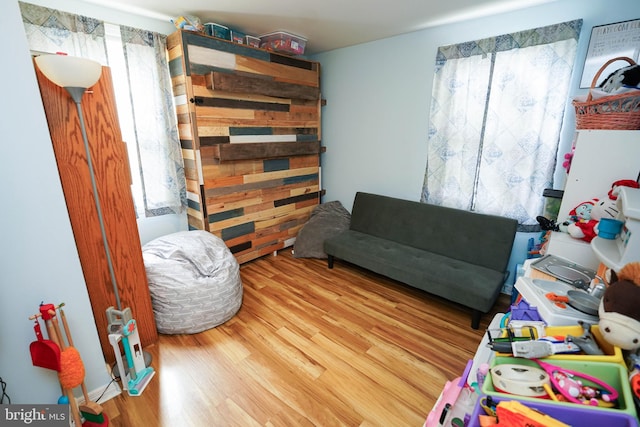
122	327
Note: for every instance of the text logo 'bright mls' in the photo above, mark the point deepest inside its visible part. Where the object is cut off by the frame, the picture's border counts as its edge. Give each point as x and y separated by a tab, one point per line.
36	415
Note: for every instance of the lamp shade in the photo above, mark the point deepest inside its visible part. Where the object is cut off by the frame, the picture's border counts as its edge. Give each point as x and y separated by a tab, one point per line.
69	71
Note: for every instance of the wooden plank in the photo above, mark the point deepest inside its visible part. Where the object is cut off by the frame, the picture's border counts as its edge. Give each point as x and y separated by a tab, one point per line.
112	175
232	82
280	72
248	122
231	152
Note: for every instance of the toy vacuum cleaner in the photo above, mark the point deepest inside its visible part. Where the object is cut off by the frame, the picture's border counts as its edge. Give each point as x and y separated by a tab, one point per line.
122	327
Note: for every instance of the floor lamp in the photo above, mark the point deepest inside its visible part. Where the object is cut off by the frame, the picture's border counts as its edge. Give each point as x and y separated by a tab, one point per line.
76	75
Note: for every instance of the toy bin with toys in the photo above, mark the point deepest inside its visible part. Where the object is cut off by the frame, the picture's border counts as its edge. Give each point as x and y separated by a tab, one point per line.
283	42
572	416
612	376
610	352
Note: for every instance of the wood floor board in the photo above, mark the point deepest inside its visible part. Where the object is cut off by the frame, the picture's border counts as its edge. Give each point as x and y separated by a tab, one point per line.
310	346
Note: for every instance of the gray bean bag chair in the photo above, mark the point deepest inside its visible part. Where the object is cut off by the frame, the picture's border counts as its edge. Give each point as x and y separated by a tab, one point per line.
194	281
327	220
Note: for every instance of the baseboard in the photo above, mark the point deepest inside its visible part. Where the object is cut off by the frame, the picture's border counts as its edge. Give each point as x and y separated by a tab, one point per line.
104	393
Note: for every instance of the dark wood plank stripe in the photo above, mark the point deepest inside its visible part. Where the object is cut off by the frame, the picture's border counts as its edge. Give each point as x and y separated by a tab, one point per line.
222	216
296	199
240	104
193	204
238	230
233	82
240	247
263	150
293	62
271	165
238	131
208	141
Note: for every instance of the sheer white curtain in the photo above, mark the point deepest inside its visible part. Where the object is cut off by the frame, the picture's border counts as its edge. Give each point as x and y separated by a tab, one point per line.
142	86
495	123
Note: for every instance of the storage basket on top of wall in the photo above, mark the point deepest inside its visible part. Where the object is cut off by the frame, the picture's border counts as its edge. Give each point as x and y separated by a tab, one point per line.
614	112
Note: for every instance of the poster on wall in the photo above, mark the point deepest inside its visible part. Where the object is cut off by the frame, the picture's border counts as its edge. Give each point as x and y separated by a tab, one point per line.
608	42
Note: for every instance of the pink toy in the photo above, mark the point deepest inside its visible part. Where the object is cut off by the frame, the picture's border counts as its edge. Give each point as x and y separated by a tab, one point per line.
570	384
447	399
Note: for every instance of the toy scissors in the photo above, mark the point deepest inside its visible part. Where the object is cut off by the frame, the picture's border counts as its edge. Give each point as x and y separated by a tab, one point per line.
569	384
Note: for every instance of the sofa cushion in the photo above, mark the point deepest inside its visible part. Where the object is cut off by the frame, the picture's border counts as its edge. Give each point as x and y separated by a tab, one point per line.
471	285
479	239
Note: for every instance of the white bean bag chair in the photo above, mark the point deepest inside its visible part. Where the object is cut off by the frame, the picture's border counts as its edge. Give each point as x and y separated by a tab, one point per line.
194	281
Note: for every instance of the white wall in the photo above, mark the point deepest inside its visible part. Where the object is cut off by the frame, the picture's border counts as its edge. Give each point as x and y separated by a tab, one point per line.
39	261
376	119
149	228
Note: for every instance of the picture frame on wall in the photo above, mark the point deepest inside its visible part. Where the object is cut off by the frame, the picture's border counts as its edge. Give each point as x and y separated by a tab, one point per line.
607	42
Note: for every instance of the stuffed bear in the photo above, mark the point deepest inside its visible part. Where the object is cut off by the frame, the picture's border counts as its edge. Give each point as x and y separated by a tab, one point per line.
619	314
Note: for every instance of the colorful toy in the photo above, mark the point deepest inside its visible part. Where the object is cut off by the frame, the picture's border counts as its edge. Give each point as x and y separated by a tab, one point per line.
443	409
582	212
618	310
588	229
122	327
571	385
583	220
69	364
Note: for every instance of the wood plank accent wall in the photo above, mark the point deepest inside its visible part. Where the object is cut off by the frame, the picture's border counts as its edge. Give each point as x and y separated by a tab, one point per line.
113	180
249	125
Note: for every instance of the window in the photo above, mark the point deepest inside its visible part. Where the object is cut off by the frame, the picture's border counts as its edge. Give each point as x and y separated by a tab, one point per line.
142	87
496	116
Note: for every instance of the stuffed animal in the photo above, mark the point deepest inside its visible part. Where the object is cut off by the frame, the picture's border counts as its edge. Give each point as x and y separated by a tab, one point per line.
583	219
588	229
619	315
579	214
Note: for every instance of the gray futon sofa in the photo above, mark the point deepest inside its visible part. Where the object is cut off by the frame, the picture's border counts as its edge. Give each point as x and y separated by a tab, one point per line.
458	255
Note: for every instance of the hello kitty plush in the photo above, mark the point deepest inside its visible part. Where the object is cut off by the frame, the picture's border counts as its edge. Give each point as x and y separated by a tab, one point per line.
587	230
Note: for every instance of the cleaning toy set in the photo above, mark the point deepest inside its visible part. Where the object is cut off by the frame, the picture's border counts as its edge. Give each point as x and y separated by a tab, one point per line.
59	354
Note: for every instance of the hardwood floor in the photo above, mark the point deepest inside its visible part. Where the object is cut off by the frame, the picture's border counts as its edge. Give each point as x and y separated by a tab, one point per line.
309	347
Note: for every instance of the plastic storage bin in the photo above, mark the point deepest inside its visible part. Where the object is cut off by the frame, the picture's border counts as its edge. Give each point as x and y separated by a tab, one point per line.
237	36
252	41
611	354
217	30
574	416
552	201
613	374
283	42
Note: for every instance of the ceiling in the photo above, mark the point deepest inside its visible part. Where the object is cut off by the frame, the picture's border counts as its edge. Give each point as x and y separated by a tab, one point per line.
326	24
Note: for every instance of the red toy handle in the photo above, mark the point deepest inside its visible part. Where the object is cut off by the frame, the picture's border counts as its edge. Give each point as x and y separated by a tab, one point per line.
635	384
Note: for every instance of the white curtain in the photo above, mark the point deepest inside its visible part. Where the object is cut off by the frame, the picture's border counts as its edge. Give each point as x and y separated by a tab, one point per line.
495	123
142	86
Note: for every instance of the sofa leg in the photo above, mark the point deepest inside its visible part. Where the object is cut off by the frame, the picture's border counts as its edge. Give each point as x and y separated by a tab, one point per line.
330	261
475	319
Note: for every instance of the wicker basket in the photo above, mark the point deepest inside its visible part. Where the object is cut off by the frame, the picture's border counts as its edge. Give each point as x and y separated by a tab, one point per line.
620	111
